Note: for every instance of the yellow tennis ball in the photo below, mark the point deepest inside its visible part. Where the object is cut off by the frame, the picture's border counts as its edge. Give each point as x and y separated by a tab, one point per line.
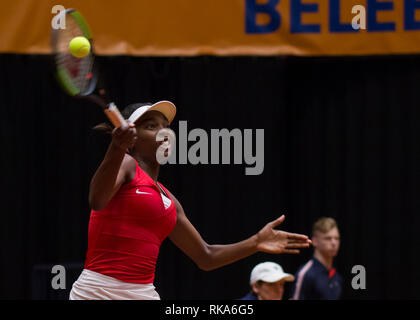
79	47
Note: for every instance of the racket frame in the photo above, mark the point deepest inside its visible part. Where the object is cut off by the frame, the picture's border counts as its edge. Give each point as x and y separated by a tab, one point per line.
66	83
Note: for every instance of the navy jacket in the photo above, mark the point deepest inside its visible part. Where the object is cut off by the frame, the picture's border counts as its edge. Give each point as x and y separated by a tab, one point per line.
250	296
315	282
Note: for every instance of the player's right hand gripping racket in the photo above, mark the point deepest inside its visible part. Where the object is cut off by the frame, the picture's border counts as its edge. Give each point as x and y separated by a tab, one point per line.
77	76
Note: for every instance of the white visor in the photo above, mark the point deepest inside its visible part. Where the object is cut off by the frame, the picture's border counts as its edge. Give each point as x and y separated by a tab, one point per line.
167	108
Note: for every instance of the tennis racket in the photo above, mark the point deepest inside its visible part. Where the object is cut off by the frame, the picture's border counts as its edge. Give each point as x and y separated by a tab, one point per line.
77	76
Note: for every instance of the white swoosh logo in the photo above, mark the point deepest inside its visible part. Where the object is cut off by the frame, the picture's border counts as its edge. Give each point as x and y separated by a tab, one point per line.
140	192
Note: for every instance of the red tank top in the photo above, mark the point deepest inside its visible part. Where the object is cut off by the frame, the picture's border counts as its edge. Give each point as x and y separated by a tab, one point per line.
124	238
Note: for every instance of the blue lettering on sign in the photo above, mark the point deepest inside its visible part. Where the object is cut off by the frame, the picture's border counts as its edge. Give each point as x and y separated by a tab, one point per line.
335	25
410	8
251	11
296	10
372	7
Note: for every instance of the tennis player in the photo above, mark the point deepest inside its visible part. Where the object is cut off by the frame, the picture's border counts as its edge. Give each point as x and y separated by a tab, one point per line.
132	213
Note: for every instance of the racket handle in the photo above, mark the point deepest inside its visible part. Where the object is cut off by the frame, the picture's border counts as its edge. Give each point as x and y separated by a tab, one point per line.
115	116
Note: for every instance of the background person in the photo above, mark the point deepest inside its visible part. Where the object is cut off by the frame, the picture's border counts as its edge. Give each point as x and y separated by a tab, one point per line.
318	279
267	282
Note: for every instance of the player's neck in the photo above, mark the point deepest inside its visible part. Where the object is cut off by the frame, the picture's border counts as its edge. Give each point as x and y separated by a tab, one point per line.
150	167
326	261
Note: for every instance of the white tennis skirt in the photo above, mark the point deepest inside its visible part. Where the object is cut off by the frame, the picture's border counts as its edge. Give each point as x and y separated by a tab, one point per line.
95	286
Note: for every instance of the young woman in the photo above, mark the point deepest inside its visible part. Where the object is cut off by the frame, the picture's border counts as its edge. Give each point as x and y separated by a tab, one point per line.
132	213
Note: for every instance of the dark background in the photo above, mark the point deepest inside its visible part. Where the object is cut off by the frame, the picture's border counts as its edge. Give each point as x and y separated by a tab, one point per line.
340	140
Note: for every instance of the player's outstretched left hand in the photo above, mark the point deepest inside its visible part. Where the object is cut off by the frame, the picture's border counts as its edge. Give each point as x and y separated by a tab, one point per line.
274	241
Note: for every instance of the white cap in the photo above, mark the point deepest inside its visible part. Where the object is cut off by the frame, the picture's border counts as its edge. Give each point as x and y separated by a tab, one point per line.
167	108
269	272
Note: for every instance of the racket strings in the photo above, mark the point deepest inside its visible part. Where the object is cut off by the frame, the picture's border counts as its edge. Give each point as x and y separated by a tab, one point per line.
78	70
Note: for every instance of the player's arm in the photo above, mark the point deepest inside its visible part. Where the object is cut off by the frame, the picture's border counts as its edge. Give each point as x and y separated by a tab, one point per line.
115	169
209	257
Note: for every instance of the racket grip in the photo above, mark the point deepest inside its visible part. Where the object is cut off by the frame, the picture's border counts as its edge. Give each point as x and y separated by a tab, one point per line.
115	116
